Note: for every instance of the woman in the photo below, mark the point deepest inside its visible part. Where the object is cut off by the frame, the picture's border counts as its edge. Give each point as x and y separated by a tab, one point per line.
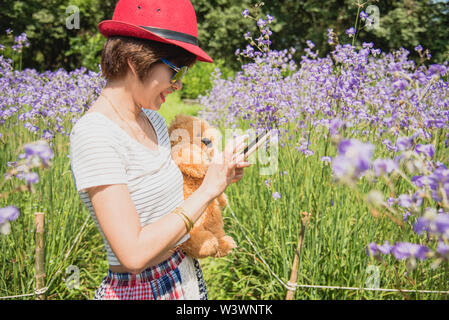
120	155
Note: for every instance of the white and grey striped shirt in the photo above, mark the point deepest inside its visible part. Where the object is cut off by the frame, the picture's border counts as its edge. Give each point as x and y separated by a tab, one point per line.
102	153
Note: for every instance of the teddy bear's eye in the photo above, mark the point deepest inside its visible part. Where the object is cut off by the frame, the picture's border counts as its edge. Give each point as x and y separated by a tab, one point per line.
207	142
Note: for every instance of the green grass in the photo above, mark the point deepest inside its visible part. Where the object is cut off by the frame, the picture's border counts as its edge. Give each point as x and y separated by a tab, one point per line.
333	251
174	105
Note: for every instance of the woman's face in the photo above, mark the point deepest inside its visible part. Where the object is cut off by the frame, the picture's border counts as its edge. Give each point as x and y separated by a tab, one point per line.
151	93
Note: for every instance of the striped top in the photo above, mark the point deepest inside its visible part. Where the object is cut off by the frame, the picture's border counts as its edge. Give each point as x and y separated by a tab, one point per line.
102	153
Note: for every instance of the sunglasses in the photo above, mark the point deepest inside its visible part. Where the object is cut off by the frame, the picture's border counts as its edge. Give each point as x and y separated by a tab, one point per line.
179	72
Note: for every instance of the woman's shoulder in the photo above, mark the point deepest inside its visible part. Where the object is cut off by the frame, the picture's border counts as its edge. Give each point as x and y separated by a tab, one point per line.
91	122
95	119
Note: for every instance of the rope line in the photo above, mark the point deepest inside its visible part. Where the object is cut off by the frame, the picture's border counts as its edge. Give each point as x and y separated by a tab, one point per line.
293	286
44	289
289	285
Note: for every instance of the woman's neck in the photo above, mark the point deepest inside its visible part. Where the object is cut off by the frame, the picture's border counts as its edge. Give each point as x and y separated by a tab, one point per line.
122	100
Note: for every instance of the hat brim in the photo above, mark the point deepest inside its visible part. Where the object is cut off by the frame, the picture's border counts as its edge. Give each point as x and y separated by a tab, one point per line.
119	28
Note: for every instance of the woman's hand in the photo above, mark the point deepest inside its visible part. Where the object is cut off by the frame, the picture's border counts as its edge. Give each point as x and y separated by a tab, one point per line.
226	167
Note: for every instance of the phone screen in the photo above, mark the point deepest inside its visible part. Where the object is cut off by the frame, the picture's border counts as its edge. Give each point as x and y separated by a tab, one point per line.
254	142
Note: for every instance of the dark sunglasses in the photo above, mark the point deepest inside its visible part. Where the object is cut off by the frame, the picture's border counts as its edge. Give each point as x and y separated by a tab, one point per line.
179	72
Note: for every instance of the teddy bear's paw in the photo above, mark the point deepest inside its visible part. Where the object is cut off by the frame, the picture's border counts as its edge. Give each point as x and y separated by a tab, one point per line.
209	247
226	244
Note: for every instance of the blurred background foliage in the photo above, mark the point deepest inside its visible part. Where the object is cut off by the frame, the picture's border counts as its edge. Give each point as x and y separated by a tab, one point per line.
403	23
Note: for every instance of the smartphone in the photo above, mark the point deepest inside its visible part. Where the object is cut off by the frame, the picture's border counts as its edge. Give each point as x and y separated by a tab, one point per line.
256	143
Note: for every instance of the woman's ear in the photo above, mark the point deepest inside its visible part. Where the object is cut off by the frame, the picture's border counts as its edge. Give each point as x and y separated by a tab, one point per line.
132	68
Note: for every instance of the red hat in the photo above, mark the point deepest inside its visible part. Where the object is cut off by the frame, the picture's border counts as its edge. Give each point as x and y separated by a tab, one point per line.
167	21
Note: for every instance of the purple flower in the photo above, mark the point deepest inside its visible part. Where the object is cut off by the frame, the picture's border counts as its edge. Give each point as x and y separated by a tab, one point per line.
310	44
376	249
403	143
40	149
20	42
442	224
9	213
404	250
437	69
364	15
427	149
420	181
400	84
406	215
30	177
351	32
261	23
11	163
267	182
417	199
422	224
353	159
276	195
390	201
387	143
245	13
372	249
342	166
381	166
443	249
270	19
385	248
404	200
326	159
335	125
437	224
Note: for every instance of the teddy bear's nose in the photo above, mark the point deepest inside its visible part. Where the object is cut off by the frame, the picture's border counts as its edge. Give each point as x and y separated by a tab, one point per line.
207	142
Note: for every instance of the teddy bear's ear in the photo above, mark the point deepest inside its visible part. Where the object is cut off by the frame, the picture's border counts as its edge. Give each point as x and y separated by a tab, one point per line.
177	122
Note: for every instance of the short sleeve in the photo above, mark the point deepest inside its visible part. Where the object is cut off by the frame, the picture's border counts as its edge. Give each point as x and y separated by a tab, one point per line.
95	157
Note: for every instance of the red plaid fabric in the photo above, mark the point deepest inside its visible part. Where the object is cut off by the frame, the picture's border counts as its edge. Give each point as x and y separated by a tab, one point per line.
160	282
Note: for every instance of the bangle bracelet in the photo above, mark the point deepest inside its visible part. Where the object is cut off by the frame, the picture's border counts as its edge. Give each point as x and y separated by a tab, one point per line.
186	223
189	223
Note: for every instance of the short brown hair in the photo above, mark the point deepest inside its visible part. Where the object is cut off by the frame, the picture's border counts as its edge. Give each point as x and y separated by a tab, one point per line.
142	54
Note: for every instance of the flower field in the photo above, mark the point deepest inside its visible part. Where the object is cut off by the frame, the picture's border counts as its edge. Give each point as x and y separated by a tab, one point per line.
363	148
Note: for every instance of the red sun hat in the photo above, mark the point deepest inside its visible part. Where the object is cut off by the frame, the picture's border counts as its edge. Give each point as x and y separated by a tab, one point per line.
167	21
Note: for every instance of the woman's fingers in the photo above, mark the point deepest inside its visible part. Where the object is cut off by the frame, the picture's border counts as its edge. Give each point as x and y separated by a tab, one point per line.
234	145
243	165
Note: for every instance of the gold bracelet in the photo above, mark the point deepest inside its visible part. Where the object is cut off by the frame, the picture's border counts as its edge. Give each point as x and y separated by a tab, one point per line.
189	223
185	221
181	211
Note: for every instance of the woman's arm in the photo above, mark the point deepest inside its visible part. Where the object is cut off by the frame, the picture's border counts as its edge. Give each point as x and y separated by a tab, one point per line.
135	247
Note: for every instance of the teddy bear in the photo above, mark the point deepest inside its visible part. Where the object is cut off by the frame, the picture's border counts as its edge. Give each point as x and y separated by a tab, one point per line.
193	142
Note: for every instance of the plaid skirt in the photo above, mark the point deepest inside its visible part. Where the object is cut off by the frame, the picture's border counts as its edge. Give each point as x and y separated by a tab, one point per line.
178	277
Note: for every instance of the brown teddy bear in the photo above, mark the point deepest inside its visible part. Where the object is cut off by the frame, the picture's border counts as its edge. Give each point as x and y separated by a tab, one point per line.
193	143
